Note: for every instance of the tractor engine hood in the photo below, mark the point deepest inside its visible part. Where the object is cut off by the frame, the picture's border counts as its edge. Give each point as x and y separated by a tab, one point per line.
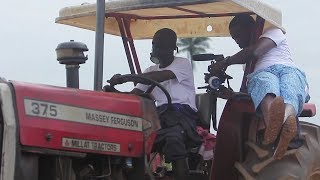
84	121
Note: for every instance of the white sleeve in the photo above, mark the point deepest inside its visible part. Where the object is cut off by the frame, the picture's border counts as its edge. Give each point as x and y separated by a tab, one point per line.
181	68
143	87
276	35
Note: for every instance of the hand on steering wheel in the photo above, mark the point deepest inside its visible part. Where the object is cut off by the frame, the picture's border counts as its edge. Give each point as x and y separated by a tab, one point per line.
116	79
120	79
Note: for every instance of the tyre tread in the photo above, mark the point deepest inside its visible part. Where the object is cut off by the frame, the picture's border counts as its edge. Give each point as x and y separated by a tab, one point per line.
307	157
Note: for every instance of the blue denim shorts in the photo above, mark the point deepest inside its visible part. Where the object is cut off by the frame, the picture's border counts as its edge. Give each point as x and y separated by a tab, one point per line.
288	82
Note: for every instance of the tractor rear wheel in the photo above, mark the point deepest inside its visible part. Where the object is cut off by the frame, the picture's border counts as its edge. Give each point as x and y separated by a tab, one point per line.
297	164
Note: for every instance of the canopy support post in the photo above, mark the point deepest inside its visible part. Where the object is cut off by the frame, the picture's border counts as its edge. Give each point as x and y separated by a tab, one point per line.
99	45
125	44
132	47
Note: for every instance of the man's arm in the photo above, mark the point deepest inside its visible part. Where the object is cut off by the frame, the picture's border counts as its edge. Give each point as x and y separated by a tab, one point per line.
159	76
254	51
245	55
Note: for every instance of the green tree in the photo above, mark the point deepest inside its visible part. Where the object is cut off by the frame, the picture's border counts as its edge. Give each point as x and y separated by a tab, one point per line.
193	46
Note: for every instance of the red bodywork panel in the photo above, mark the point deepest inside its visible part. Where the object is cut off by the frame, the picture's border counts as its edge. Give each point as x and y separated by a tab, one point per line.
47	131
309	110
233	123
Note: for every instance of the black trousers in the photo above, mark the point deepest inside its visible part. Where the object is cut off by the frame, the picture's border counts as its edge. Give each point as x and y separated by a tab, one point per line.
178	131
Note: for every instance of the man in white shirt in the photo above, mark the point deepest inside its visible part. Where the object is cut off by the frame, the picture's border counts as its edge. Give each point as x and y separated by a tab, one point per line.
178	123
277	87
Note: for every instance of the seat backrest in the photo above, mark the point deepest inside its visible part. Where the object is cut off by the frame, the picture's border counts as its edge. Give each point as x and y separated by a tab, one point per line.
309	110
206	106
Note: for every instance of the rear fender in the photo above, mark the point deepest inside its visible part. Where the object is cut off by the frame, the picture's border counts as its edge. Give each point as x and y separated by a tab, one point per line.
232	133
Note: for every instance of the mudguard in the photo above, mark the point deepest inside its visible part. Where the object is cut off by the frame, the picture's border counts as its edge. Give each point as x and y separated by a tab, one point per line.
232	131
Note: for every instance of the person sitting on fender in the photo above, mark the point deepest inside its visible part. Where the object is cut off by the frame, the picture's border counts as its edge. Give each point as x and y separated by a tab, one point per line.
178	123
277	86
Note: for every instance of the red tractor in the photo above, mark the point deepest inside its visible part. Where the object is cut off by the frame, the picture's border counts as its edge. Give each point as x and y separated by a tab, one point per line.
65	133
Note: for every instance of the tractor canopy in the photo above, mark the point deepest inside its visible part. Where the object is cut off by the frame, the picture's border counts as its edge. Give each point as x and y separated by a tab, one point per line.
140	19
188	18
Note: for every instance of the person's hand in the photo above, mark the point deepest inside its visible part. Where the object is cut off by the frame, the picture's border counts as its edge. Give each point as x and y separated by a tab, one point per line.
225	93
116	79
218	67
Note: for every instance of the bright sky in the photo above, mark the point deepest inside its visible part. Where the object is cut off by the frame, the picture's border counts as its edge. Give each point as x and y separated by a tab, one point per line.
29	37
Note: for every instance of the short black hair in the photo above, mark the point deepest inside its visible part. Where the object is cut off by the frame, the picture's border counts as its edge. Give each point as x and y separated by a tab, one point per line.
165	38
243	20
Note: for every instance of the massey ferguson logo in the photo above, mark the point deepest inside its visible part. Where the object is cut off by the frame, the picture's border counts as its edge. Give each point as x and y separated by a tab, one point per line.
112	119
81	115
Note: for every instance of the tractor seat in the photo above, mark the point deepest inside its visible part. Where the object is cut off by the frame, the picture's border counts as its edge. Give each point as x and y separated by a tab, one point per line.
309	110
205	104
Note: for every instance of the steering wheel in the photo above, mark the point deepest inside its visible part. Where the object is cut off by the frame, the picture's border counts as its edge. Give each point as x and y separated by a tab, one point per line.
143	80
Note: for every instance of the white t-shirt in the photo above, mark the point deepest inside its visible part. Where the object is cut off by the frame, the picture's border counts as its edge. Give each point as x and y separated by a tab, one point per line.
278	55
181	89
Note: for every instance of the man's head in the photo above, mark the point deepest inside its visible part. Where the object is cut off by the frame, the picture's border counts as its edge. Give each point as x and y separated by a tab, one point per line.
241	28
164	43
